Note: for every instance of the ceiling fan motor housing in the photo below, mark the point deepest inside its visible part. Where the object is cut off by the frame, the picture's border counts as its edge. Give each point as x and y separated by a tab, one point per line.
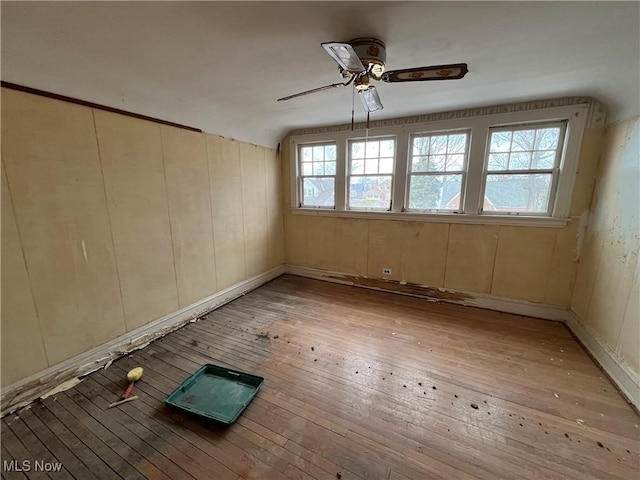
373	54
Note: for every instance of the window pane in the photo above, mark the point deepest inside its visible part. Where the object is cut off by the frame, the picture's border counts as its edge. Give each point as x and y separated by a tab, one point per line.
318	168
519	160
330	168
437	163
357	167
457	143
318	153
386	165
455	162
371	166
543	159
370	192
330	152
386	148
419	164
500	141
357	150
435	192
373	149
547	138
306	169
438	145
517	193
318	192
522	140
420	146
498	161
306	154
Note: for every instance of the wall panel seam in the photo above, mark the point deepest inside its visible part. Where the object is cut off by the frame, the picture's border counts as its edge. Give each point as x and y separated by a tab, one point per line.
106	201
213	239
166	196
26	265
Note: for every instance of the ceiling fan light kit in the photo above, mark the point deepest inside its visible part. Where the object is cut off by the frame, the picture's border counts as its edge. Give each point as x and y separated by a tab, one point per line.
364	59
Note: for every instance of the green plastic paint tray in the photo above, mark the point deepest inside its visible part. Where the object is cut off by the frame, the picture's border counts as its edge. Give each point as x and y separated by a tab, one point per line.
216	392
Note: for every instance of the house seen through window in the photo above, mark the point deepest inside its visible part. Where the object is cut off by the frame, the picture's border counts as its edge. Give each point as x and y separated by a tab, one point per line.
371	165
318	171
522	166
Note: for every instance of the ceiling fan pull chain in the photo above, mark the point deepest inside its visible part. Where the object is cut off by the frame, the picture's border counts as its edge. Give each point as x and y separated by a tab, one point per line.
353	102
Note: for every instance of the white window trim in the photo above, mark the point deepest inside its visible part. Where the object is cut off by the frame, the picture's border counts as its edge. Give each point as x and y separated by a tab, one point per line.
575	115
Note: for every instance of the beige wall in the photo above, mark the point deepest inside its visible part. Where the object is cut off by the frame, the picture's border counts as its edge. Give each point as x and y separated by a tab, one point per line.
607	291
110	222
517	262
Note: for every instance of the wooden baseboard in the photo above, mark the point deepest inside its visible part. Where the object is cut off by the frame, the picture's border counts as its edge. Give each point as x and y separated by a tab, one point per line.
66	374
519	307
618	371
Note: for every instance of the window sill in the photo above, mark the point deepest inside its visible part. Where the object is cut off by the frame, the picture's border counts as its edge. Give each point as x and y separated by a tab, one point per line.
523	220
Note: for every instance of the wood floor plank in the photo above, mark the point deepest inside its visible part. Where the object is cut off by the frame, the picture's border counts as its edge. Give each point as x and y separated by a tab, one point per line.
17	450
359	384
9	471
464	452
37	450
92	465
118	465
137	436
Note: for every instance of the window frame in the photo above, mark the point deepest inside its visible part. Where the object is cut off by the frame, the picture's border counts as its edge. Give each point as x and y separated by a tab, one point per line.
477	153
301	176
350	174
462	173
554	171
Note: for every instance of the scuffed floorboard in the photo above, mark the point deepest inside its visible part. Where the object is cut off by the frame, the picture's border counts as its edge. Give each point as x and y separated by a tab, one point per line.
358	385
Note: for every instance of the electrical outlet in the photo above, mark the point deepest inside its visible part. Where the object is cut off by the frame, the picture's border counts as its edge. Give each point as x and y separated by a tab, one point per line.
386	271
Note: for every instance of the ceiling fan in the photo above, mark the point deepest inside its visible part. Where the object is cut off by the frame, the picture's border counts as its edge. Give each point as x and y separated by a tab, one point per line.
364	59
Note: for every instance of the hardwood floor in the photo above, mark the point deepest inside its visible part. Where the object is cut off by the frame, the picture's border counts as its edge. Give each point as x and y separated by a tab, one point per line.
358	385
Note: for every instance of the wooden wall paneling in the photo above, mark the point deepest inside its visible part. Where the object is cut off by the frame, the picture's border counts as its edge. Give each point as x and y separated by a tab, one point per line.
224	156
586	175
352	238
470	257
385	248
226	210
612	285
322	243
254	207
523	263
296	239
588	259
627	344
189	195
275	221
561	278
131	155
53	170
424	253
22	345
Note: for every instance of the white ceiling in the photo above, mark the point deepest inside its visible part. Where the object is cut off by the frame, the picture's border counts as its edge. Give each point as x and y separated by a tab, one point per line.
220	66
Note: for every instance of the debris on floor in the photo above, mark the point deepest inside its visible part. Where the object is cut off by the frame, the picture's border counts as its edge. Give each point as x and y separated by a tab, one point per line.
474	406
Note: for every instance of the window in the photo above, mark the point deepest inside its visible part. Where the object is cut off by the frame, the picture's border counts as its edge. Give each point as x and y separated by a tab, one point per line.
317	175
436	171
522	168
513	164
371	173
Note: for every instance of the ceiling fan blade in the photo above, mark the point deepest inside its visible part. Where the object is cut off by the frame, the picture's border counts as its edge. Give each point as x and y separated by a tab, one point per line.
345	55
370	99
319	89
435	72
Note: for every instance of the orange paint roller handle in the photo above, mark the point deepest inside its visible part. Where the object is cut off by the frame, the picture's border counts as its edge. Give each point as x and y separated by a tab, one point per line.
127	392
